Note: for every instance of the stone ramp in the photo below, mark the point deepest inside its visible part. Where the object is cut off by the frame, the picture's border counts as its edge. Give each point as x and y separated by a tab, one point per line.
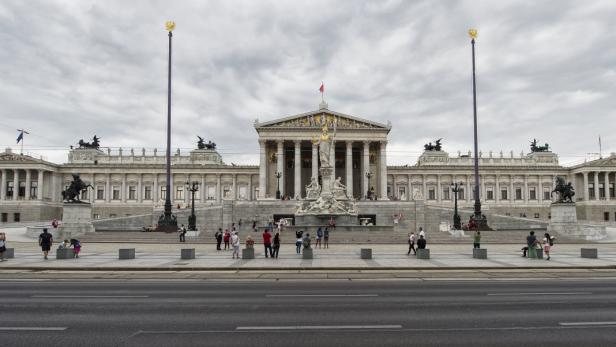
336	237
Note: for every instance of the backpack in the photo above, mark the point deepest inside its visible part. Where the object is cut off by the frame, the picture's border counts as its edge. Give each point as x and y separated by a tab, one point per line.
551	241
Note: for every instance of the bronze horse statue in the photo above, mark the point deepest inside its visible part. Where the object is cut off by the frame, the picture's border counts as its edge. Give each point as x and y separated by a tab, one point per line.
564	190
71	194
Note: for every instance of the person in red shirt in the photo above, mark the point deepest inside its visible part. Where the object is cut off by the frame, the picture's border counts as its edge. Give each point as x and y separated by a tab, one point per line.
267	242
226	238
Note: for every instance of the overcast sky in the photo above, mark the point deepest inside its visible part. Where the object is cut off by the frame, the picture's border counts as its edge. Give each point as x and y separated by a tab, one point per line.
545	69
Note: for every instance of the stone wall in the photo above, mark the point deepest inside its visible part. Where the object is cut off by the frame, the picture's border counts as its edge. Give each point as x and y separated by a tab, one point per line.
31	211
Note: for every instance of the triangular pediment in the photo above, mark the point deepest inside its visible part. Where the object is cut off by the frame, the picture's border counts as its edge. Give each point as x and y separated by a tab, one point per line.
315	119
603	162
18	158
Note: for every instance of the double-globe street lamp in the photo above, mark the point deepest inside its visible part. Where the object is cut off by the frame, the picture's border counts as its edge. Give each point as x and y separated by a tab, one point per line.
192	187
278	175
456	188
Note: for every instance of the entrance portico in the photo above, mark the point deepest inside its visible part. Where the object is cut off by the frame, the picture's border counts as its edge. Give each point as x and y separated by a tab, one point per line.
287	146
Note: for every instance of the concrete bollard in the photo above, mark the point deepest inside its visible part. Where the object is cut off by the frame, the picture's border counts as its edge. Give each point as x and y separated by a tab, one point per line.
65	253
423	253
539	253
127	253
366	253
9	253
589	253
187	253
480	253
248	253
307	253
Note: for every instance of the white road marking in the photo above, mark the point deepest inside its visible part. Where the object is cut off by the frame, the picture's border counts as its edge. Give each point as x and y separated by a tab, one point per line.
89	296
554	293
568	324
320	295
319	327
33	328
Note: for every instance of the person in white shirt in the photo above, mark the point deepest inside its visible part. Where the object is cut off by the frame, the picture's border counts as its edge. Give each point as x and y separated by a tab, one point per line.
422	233
412	244
235	243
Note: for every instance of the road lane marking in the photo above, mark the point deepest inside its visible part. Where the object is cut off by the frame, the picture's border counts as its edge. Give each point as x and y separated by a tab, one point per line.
89	296
318	327
554	293
320	295
33	328
568	324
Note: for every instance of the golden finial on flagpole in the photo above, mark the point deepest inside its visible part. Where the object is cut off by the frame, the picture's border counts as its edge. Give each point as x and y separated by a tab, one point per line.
472	33
170	25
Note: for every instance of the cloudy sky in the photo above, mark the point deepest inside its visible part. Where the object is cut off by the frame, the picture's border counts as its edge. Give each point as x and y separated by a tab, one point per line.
72	69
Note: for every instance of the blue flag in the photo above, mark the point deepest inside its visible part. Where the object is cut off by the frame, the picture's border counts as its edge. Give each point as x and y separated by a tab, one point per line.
20	137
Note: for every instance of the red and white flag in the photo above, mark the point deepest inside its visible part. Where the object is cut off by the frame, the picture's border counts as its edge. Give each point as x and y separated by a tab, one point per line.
322	87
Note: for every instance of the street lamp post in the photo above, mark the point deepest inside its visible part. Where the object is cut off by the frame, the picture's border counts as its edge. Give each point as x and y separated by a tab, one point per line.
168	222
192	187
278	175
455	188
368	175
480	220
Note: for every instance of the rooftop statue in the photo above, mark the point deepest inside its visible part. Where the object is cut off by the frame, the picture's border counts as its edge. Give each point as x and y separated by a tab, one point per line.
534	148
565	191
95	143
202	145
436	147
71	194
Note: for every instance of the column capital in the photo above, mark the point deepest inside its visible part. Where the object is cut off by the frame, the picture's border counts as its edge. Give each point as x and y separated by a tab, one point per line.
262	142
297	142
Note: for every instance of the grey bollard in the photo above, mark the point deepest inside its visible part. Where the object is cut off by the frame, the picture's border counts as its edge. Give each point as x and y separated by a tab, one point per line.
127	253
589	253
307	253
480	253
248	253
9	253
187	253
539	253
65	253
366	253
423	253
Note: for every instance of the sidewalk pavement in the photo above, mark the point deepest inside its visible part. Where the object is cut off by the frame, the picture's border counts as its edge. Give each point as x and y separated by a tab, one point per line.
154	257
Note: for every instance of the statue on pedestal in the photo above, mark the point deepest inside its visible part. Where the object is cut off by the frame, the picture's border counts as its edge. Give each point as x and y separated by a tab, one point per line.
94	145
71	194
202	145
564	190
534	148
313	189
436	147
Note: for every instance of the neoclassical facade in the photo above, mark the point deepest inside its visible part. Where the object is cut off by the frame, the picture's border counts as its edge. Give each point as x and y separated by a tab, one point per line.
133	182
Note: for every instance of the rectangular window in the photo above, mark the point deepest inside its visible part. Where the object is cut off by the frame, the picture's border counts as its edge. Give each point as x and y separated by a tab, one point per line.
22	189
9	190
16	217
591	191
489	194
179	193
431	194
532	193
112	215
518	193
163	192
445	193
461	193
5	217
100	193
33	190
132	193
147	193
546	195
243	192
601	191
606	216
536	215
611	189
211	193
116	193
96	216
226	192
504	194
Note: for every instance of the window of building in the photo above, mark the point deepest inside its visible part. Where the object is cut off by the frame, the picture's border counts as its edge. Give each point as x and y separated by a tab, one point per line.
532	193
100	193
112	215
179	193
536	215
116	193
22	189
461	193
518	193
591	191
504	193
402	193
446	193
508	214
211	193
33	190
4	218
431	193
132	193
16	217
9	190
611	190
147	193
96	216
601	191
546	194
489	193
606	216
226	192
163	192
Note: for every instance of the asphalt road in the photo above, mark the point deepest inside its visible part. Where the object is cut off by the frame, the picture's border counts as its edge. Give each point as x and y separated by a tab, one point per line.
308	313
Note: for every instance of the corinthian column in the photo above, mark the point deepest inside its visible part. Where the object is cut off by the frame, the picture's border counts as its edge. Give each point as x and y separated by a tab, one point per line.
366	168
262	169
349	168
280	165
315	161
383	170
297	186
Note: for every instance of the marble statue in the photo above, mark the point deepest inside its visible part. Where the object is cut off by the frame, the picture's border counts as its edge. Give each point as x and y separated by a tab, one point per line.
313	189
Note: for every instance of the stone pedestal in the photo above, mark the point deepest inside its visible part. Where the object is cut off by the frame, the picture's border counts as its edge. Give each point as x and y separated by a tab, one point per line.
65	253
423	253
76	220
366	253
248	253
9	253
126	253
588	253
480	253
307	253
187	253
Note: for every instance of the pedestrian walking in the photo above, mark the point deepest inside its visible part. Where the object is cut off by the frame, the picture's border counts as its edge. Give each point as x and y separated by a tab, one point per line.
76	244
548	242
226	238
319	237
218	237
45	241
267	243
421	243
183	233
412	239
235	242
254	226
276	245
298	242
326	238
477	239
2	245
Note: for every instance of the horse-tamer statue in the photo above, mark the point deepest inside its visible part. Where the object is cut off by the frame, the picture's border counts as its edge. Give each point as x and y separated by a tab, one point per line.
71	194
564	190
